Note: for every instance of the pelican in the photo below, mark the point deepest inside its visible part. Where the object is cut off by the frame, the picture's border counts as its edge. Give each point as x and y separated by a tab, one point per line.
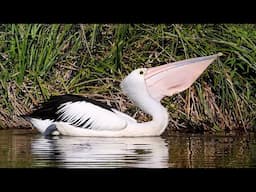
76	115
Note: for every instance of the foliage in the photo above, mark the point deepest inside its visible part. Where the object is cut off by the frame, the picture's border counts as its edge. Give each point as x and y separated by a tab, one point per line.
39	60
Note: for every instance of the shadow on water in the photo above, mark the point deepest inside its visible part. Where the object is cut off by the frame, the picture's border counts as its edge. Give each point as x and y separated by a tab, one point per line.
23	148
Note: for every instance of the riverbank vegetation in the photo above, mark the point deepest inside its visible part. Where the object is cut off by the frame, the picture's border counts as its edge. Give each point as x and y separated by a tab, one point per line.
40	60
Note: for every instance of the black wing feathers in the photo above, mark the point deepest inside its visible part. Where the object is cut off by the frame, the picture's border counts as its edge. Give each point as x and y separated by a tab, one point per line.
48	109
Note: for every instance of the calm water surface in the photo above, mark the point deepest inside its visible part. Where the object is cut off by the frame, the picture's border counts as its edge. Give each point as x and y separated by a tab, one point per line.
25	148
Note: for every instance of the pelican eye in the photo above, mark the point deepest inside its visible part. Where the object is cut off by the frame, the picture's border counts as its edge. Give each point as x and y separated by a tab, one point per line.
141	72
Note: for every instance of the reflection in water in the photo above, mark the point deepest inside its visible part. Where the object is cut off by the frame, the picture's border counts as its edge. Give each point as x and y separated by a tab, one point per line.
96	152
22	148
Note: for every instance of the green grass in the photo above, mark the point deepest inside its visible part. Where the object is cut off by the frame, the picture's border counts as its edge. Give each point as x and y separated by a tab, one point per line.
39	60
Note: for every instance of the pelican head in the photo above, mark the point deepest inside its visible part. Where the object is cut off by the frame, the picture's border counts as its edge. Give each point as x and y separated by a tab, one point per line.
165	80
134	84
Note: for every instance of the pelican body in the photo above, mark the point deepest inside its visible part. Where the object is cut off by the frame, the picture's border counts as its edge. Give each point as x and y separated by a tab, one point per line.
75	115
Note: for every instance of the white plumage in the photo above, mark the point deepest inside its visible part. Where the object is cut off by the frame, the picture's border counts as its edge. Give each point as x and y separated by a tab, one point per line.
87	115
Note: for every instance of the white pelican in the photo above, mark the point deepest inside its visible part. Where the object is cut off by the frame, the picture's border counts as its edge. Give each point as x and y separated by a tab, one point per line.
79	116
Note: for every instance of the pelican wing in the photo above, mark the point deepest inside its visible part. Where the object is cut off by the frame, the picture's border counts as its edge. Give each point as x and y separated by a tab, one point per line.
90	116
80	112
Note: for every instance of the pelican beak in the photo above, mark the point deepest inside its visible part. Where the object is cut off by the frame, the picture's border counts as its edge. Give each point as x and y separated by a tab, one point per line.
172	78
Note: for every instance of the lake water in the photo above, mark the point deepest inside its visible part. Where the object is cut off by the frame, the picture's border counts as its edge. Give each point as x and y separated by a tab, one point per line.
26	148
